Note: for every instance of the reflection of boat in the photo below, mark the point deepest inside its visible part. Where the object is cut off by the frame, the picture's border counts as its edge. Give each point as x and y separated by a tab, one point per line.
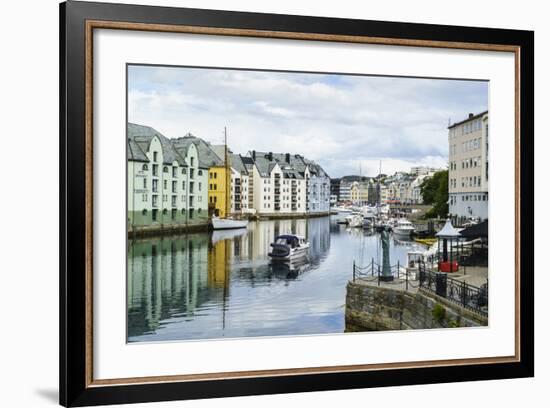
220	235
288	247
291	269
228	223
404	228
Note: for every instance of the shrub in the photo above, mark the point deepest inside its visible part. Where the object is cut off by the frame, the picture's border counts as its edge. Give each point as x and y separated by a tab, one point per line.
438	312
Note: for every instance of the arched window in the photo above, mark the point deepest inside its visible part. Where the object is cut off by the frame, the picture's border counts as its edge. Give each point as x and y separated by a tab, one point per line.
165	169
144	167
199	210
144	212
183	211
165	211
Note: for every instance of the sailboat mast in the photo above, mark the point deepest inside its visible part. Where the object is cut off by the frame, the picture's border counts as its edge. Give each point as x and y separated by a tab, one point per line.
227	175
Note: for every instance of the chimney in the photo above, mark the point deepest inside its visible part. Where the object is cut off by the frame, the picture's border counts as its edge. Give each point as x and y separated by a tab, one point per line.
270	156
470	116
254	155
287	158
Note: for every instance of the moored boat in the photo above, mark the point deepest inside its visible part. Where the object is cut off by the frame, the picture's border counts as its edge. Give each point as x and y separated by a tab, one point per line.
403	228
228	223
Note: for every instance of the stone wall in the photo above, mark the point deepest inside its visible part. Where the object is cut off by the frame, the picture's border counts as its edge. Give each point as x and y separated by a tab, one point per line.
371	308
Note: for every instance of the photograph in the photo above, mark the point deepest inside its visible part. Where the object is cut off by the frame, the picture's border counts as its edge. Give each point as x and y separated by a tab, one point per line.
267	203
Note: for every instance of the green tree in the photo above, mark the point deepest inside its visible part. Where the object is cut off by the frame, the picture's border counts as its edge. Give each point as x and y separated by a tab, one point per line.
435	191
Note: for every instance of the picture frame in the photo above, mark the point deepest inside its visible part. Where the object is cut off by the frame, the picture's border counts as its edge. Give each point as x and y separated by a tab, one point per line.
78	20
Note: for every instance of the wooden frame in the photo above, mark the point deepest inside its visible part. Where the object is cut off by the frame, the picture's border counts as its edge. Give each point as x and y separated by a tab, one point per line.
77	22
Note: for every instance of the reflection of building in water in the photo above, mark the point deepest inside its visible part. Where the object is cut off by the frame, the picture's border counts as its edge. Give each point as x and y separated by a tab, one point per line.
179	276
163	275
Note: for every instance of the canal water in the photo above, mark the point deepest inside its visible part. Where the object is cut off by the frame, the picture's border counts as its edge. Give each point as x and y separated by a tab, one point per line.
223	285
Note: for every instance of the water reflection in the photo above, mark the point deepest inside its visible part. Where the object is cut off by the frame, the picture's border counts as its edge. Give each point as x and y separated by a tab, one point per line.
223	284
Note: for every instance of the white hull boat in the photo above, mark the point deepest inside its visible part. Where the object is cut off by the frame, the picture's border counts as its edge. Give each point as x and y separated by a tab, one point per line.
355	221
228	223
289	247
403	228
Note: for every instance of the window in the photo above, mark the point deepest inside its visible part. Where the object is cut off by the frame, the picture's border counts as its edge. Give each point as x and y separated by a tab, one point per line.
155	156
165	169
174	172
200	186
183	171
155	185
192	161
155	169
144	198
144	167
144	183
174	186
165	184
155	200
200	172
144	212
191	173
183	185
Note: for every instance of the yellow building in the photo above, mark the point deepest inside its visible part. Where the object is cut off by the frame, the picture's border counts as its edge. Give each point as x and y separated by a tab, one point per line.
218	190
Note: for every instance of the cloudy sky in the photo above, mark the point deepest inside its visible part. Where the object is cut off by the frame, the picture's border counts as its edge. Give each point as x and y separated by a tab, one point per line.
345	123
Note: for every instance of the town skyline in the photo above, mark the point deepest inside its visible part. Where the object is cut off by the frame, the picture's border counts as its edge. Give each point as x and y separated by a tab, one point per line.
284	112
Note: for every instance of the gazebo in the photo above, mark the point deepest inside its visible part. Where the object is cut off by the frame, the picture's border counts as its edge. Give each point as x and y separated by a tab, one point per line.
448	236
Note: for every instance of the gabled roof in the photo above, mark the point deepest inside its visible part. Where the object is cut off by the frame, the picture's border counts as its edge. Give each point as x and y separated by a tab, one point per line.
142	136
134	152
237	162
207	157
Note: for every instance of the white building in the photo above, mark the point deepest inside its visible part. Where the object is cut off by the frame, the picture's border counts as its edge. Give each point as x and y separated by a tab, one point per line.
468	167
286	184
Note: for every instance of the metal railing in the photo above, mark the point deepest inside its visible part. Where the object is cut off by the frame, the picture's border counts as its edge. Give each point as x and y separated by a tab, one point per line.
461	293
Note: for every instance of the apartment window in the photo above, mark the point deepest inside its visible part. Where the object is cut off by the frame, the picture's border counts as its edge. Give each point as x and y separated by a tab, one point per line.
479	180
183	185
165	184
155	199
155	214
200	174
192	161
165	169
174	211
174	198
174	186
200	186
144	197
144	183
155	156
174	172
215	186
144	167
164	197
144	212
155	186
183	171
155	169
191	173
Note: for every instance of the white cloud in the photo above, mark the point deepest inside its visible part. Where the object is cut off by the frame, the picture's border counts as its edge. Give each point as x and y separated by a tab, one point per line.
339	121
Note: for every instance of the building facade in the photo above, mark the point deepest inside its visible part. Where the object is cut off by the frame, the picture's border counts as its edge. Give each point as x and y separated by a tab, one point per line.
166	186
287	184
469	168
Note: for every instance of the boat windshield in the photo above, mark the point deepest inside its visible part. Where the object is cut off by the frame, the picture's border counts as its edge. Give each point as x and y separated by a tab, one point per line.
287	240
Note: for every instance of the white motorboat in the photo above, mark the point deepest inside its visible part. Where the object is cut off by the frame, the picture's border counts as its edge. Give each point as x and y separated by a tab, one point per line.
355	221
288	247
228	223
403	228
